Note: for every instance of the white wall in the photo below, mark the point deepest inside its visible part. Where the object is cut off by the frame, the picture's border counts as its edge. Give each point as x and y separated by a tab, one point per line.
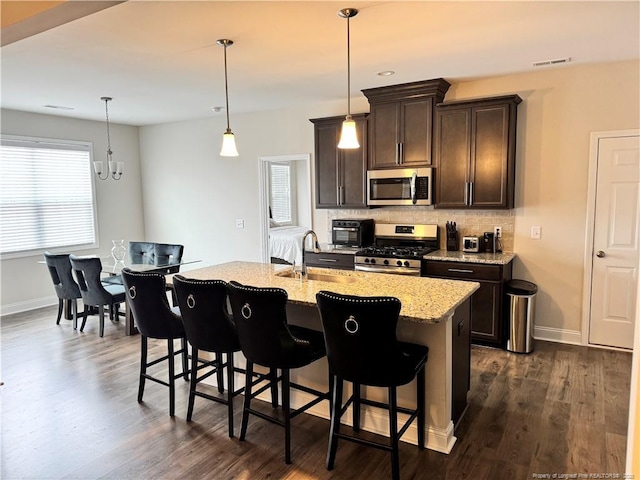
25	283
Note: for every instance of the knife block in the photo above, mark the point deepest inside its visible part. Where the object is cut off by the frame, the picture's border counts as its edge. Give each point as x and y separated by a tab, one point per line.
452	241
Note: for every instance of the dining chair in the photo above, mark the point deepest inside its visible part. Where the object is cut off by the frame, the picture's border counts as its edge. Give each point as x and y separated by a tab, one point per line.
362	348
94	292
146	294
66	288
267	339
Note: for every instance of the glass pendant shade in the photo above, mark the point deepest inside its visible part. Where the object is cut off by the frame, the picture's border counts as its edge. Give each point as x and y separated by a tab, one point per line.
348	136
228	145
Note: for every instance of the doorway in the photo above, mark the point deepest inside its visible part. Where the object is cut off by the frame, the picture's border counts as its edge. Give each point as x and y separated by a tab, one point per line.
274	169
612	247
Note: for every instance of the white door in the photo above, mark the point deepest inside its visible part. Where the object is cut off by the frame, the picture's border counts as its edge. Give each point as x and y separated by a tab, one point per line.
614	274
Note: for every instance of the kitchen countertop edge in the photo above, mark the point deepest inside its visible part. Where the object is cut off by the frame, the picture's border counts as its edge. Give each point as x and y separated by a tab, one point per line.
487	258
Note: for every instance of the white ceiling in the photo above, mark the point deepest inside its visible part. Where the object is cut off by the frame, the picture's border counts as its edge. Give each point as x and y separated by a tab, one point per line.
160	62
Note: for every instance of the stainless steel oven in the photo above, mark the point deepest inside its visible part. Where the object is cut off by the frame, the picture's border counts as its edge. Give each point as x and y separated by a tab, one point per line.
399	186
398	249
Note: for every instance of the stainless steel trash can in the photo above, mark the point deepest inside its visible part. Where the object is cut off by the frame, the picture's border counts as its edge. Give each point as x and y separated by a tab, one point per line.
521	307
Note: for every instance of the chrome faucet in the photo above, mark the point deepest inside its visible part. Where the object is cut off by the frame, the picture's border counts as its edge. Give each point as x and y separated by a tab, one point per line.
316	249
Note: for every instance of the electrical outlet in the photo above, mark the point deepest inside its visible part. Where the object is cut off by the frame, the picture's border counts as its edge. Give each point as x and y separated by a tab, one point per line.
536	232
497	232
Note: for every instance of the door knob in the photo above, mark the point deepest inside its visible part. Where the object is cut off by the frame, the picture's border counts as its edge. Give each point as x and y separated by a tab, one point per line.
600	254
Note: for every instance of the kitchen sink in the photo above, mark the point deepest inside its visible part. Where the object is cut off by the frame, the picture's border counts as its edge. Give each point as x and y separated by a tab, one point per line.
320	277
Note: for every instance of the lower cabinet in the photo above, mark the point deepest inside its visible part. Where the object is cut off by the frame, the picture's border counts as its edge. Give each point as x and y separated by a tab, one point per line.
461	358
487	322
342	261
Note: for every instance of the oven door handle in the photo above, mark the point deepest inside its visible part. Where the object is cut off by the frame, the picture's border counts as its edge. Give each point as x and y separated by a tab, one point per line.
394	270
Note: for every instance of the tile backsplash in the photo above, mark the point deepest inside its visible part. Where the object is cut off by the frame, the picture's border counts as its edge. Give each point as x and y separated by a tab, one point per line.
469	222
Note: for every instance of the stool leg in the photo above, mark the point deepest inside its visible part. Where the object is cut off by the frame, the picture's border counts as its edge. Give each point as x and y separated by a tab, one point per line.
194	382
356	407
85	313
143	365
421	413
335	421
393	434
286	408
101	314
230	389
74	311
185	358
247	399
219	372
172	380
273	377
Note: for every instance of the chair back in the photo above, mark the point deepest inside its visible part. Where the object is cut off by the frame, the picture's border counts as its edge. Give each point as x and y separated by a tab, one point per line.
361	341
87	271
168	253
261	322
142	252
146	294
59	267
203	307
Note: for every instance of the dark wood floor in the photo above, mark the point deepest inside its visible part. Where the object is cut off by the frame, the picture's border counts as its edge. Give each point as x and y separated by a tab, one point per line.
69	410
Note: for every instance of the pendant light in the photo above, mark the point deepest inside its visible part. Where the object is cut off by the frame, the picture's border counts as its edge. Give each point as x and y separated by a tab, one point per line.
348	136
228	139
114	169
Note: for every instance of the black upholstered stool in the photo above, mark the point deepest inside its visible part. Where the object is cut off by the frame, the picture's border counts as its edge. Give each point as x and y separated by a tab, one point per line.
66	287
146	294
203	305
268	340
362	348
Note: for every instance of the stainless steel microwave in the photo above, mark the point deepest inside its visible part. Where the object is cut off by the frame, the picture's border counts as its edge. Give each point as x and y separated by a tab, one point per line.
401	186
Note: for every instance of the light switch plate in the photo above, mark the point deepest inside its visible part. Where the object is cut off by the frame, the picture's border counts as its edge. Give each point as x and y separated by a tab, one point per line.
536	232
239	223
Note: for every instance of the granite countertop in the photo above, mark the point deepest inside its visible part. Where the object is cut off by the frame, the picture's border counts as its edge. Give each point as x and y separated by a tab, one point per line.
330	248
487	258
424	300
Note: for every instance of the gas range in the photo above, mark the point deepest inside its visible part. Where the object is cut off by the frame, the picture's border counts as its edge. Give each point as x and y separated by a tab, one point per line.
398	248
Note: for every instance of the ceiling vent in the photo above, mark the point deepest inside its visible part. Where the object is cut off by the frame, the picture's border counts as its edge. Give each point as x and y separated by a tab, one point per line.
546	63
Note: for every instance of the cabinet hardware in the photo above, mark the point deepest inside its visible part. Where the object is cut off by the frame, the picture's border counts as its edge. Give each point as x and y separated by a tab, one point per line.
459	270
401	154
470	193
466	193
327	260
397	154
341	194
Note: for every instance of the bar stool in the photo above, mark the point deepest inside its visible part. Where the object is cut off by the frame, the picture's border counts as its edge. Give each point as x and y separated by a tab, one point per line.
268	340
362	348
208	328
146	294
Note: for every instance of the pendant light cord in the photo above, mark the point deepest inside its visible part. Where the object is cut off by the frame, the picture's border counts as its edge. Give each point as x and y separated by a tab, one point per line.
226	85
106	109
348	70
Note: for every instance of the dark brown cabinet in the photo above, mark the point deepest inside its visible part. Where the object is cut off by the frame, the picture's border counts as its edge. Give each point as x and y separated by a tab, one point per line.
487	322
475	153
340	174
343	261
401	123
461	360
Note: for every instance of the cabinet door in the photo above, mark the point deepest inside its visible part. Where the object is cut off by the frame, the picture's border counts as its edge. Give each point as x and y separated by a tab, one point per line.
489	157
353	171
326	163
415	132
461	360
383	132
486	308
453	132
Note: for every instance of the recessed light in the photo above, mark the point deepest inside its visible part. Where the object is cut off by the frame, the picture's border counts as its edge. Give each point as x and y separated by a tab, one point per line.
59	107
217	109
386	73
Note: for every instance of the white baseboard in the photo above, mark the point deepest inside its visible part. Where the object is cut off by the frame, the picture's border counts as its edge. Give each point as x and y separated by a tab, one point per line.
28	305
560	335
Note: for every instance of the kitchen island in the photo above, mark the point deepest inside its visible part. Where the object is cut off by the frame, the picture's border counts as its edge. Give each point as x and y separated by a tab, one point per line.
430	307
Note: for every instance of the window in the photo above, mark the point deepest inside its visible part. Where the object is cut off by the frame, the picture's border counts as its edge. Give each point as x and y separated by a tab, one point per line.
46	195
282	193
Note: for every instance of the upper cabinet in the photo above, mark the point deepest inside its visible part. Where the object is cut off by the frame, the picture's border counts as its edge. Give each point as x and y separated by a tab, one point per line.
340	174
401	123
475	153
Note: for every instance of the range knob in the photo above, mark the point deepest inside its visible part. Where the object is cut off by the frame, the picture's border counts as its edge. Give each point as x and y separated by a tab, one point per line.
399	263
366	260
406	263
373	260
386	262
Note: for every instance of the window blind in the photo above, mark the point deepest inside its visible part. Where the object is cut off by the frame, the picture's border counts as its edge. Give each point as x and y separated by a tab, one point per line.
46	195
281	192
